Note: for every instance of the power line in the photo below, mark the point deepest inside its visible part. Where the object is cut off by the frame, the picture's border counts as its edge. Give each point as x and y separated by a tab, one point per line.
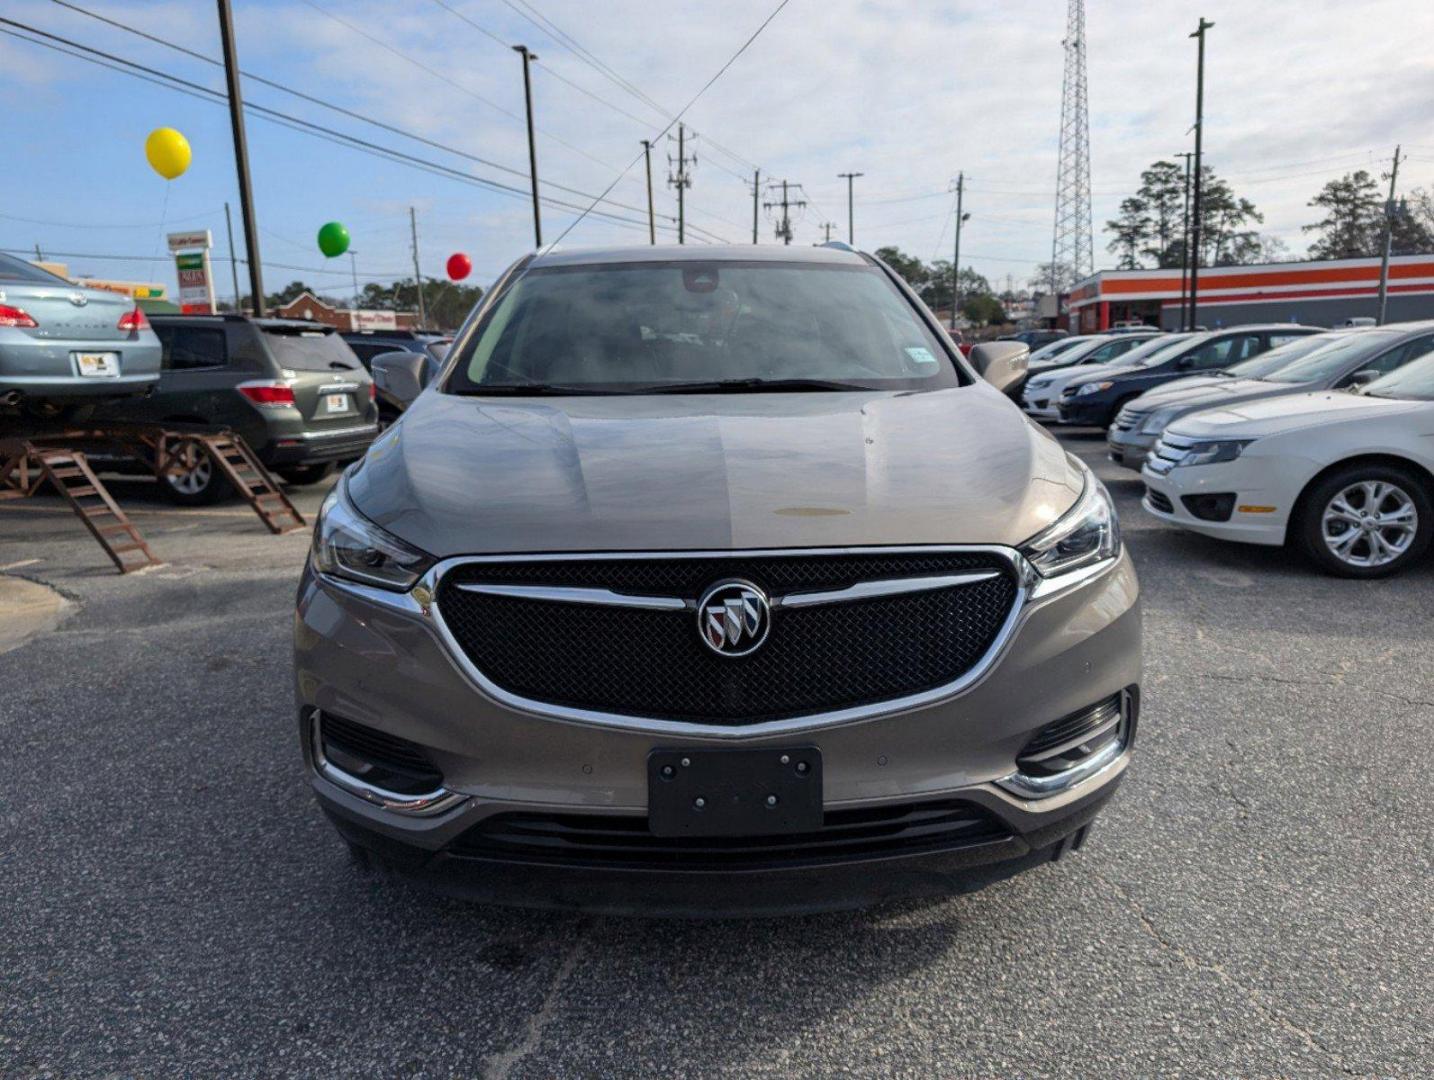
203	93
661	134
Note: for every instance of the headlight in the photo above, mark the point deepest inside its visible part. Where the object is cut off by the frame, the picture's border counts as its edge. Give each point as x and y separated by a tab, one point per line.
1093	388
348	545
1213	452
1156	422
1038	384
1089	532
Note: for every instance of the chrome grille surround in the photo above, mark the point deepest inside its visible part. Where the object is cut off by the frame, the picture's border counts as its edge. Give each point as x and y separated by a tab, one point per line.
1028	582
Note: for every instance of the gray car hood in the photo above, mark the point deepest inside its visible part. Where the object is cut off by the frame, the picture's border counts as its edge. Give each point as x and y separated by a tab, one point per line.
1215	394
464	475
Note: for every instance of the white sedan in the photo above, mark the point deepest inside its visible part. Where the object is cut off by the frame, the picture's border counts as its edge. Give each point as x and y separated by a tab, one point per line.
1347	477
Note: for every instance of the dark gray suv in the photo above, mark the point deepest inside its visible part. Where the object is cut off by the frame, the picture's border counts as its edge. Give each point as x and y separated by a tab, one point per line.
294	390
715	580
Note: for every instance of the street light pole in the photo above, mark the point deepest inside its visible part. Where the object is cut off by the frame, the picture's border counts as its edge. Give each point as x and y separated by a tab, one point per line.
241	155
850	219
1199	139
528	57
1388	240
1185	238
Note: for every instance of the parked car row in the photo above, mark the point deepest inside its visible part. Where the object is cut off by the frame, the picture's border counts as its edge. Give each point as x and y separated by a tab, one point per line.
1275	434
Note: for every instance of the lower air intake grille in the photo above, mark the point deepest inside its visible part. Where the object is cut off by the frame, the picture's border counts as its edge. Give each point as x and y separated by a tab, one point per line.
1159	500
652	663
609	840
376	757
1072	739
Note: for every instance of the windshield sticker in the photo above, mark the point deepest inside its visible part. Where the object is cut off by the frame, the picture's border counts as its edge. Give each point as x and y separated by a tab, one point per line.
920	355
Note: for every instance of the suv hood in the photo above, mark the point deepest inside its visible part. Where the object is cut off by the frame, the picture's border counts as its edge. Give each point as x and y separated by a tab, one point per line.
1290	412
464	475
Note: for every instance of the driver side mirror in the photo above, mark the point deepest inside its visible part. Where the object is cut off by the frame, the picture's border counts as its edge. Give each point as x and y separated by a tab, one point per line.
401	375
1185	363
1002	364
1364	378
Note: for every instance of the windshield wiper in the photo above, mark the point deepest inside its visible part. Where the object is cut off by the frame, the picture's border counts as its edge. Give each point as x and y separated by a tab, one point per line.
534	389
747	386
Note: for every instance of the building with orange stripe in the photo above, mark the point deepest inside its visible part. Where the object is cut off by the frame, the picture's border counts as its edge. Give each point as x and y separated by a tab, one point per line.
1312	293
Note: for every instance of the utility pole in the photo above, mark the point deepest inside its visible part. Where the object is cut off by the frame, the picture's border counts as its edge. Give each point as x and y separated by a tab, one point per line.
1195	201
418	274
956	255
784	227
1388	241
241	155
681	180
756	196
651	220
827	227
233	262
850	219
1185	238
353	269
528	58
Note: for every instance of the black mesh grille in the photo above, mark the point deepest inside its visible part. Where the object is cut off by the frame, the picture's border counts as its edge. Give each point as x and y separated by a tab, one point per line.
609	840
653	664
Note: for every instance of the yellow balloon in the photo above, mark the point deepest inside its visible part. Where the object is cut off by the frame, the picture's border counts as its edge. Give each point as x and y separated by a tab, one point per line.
168	152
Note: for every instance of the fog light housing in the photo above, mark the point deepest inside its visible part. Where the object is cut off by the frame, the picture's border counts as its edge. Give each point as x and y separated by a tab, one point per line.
1210	507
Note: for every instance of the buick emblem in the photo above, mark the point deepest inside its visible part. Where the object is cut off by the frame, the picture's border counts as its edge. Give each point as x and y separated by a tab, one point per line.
733	618
79	299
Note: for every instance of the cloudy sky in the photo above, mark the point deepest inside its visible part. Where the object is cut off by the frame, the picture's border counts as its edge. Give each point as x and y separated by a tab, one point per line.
1298	91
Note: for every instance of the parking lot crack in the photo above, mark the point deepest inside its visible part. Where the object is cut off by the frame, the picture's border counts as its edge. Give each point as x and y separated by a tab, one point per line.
501	1065
1194	963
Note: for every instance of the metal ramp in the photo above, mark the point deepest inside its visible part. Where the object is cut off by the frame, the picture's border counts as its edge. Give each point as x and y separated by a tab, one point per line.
232	456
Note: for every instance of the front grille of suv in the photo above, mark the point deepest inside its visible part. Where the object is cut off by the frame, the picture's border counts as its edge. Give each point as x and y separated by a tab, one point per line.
609	840
652	663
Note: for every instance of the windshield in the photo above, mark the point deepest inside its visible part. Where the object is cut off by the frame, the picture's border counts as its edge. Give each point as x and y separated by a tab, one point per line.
1156	349
13	269
665	327
310	350
1056	348
1257	367
1414	381
1332	360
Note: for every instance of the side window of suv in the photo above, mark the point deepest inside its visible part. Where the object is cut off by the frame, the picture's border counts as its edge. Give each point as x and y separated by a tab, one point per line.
1225	351
188	347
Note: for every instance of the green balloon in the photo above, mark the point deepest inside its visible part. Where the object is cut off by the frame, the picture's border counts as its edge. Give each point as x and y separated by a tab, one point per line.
333	239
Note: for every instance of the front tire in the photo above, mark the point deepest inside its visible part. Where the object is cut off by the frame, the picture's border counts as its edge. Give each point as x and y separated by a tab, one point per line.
1366	521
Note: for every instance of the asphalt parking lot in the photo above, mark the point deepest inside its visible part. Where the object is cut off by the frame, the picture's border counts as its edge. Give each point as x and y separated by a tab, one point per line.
1255	902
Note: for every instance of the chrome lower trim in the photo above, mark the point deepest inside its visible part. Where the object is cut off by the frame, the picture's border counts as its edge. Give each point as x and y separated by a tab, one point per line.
426	805
336	433
1044	787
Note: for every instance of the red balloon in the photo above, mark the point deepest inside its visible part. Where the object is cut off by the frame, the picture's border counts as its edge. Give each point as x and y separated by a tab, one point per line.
459	266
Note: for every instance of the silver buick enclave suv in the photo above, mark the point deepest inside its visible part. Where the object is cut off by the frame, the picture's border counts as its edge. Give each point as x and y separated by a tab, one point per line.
715	581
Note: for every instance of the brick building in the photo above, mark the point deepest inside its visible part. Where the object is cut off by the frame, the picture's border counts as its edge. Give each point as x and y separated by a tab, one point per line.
308	306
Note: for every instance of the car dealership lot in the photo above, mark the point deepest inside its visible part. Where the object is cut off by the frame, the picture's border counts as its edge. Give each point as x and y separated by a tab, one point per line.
1254	902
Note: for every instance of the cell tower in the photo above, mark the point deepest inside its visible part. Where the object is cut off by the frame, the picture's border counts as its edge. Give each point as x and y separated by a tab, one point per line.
1072	246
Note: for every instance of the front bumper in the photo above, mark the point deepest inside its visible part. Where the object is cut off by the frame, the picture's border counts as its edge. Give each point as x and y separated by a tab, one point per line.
389	669
1261	513
1041	406
1128	448
1090	411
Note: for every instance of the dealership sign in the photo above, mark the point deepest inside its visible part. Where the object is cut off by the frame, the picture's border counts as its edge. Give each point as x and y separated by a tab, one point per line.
196	276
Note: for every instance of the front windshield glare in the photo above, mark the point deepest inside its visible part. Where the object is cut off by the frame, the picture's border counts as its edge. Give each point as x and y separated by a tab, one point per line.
650	327
1257	367
1414	381
1328	362
1156	349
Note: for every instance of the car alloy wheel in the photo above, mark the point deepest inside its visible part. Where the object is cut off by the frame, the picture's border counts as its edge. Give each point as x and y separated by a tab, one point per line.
1370	523
192	480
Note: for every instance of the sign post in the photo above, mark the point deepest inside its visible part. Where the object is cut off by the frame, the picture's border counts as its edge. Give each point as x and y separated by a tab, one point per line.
196	275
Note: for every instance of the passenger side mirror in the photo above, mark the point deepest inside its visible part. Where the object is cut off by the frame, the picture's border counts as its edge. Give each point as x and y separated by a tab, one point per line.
1364	378
1185	363
1002	364
401	375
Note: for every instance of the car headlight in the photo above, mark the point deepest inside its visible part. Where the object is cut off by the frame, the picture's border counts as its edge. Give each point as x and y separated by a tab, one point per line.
1157	421
1093	388
348	545
1038	384
1089	532
1213	452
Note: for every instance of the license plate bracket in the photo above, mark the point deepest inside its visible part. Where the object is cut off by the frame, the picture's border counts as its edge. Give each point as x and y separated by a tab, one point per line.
735	788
